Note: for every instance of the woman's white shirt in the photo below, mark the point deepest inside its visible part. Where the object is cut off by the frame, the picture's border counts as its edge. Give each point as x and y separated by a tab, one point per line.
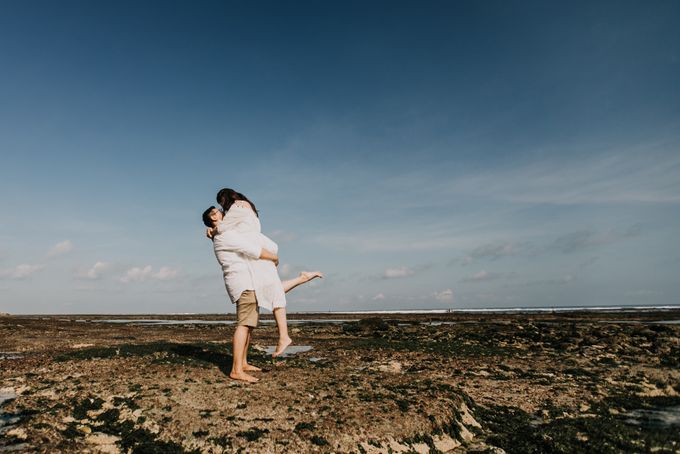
242	222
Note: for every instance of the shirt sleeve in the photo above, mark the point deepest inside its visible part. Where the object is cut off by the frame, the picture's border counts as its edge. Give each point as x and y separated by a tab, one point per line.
234	242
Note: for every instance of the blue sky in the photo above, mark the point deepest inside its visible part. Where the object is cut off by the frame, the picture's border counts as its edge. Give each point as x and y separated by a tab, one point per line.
422	154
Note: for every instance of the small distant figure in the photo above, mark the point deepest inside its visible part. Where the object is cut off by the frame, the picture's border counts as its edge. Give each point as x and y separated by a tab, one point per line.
249	260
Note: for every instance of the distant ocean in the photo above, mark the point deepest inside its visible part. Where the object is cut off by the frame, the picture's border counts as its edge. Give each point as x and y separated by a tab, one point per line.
512	309
622	308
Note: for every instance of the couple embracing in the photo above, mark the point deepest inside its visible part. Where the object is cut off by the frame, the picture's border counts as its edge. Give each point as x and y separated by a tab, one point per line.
249	260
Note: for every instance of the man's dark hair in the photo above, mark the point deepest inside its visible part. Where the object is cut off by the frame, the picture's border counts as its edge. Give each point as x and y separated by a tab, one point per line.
206	217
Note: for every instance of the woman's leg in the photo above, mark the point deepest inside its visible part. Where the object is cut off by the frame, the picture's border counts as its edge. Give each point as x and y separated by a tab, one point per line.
282	324
304	276
280	312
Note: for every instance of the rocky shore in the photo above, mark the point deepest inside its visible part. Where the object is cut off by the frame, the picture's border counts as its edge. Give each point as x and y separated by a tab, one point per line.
567	382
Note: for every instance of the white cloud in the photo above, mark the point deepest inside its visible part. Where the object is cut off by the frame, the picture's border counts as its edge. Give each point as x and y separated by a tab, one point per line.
60	248
445	296
481	276
95	272
392	273
378	297
138	274
21	271
166	274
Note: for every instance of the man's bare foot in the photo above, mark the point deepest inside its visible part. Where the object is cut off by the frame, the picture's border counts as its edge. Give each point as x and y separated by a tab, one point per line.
307	276
251	368
243	377
282	346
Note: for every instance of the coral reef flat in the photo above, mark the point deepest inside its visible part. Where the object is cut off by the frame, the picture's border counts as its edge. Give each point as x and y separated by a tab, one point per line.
426	383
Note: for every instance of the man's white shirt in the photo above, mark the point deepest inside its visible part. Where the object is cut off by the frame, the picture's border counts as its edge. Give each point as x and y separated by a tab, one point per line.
234	252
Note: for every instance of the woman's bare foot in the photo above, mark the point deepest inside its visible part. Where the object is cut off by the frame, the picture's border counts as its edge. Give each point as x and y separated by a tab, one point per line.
282	346
251	368
307	276
243	377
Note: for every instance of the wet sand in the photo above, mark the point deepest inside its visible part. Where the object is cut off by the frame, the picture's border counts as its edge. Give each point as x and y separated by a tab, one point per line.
564	382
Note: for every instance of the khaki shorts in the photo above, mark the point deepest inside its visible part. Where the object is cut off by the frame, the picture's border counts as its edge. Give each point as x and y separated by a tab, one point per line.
247	313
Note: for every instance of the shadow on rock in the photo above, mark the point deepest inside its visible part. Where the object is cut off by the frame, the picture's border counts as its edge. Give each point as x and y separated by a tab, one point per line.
197	355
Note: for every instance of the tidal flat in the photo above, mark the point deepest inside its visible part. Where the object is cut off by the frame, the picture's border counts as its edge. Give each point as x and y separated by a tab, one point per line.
565	382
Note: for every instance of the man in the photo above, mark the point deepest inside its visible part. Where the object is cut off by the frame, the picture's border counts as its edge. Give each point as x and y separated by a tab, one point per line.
232	253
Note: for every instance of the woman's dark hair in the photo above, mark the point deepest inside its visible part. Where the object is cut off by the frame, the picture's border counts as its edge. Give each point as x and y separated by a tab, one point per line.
206	217
226	198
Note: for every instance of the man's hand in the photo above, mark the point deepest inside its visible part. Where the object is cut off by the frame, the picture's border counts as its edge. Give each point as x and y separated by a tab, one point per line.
210	232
